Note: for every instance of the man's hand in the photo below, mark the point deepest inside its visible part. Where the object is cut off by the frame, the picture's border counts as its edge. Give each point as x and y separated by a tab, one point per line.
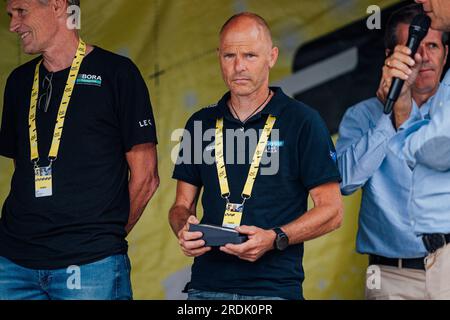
259	242
190	242
400	65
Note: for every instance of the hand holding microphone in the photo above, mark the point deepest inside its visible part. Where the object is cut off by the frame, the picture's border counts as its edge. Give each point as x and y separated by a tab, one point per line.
401	67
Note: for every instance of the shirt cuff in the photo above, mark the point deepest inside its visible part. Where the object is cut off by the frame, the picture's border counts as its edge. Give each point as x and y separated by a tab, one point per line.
182	177
385	126
397	143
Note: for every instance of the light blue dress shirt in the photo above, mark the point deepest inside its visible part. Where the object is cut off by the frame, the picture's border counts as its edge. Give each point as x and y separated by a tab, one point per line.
425	145
385	223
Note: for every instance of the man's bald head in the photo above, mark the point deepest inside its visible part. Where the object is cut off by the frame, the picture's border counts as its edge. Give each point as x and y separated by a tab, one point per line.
246	54
247	18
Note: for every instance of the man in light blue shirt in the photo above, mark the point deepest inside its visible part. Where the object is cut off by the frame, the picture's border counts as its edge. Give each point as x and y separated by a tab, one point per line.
385	224
425	146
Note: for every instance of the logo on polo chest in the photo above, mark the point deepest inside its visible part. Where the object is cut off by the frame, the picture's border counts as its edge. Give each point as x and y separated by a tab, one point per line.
274	146
89	79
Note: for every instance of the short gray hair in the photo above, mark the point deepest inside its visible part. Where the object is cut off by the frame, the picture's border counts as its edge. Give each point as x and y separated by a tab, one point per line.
69	2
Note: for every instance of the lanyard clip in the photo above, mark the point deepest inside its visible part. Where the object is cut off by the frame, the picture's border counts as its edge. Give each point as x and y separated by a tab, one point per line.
226	197
245	197
35	163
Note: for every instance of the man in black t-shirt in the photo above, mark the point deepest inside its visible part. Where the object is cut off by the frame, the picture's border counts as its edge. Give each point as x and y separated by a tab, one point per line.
78	123
269	153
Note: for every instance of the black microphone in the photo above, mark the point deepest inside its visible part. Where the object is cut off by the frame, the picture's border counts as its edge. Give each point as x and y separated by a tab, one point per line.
417	31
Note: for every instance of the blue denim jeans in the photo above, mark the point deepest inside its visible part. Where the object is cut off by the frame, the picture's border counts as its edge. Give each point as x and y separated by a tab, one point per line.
207	295
107	279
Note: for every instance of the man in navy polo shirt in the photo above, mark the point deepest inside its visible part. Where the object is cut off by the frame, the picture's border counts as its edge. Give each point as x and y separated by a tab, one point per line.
258	156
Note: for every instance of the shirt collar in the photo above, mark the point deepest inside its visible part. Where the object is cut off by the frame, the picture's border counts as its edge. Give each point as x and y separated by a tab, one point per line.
424	111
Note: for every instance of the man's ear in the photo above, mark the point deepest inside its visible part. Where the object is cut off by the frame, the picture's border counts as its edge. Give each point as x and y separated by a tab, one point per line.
59	7
446	54
273	57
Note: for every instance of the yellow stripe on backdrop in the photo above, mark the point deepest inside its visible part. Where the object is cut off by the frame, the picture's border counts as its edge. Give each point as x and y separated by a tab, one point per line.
173	43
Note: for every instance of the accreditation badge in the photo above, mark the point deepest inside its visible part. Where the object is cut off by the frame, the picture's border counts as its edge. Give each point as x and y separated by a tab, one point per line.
43	182
233	215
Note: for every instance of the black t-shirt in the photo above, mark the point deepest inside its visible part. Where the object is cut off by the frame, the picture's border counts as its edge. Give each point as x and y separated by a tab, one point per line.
306	160
84	220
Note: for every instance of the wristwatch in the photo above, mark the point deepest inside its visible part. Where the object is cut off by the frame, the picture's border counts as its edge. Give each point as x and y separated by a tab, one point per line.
281	240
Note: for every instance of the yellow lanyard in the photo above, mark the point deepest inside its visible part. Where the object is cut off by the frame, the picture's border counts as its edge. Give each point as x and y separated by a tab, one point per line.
53	154
254	167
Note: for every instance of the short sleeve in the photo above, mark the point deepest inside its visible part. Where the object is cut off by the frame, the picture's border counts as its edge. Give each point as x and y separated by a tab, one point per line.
185	168
8	135
317	155
135	113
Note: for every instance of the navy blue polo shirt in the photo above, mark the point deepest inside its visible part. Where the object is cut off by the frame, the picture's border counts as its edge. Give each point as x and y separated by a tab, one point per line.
299	157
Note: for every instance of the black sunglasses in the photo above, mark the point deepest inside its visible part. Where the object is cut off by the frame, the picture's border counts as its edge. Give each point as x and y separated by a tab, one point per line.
46	96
